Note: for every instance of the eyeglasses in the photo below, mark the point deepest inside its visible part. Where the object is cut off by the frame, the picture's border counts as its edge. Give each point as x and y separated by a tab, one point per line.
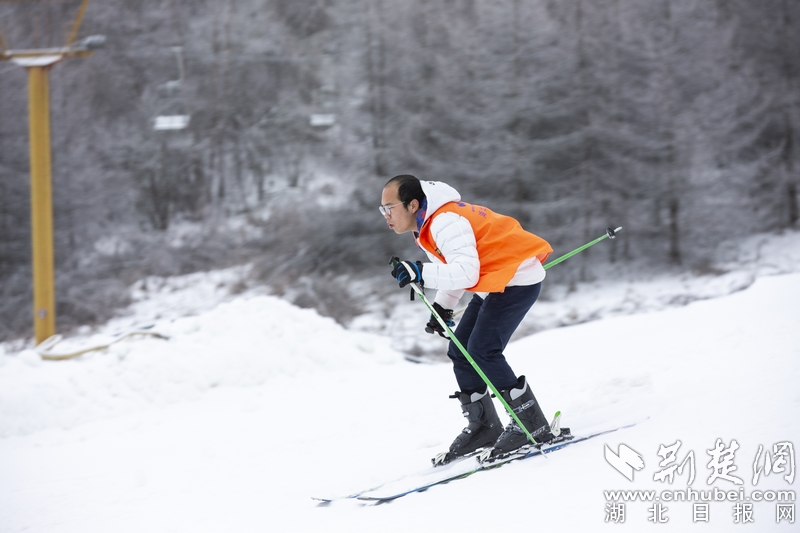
386	210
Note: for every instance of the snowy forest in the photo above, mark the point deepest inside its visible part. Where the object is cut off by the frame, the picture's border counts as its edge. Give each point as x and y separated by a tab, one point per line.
675	119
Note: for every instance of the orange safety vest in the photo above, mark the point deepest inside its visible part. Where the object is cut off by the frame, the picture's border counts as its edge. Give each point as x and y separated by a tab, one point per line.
502	244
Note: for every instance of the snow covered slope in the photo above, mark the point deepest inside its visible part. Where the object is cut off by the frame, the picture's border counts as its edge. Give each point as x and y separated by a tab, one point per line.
254	406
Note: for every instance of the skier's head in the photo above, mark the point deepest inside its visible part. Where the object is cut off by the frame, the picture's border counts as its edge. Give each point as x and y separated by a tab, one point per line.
401	199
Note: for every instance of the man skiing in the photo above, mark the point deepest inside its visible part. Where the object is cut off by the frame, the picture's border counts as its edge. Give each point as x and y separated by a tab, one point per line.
472	248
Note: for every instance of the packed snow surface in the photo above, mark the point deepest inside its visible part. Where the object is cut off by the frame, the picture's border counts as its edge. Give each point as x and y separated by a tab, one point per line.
253	406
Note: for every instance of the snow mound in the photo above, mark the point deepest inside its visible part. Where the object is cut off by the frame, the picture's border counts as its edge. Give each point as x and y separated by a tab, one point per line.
245	342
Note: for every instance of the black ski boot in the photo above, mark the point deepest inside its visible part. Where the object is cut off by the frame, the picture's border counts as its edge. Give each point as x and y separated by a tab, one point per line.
483	429
524	404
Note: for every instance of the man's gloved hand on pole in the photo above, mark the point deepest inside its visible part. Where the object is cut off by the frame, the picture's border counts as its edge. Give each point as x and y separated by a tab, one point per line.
433	325
406	272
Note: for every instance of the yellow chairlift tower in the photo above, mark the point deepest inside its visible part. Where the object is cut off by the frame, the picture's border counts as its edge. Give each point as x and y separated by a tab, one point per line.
38	62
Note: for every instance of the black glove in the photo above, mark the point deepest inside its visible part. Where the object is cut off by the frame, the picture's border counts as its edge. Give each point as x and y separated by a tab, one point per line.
406	272
433	324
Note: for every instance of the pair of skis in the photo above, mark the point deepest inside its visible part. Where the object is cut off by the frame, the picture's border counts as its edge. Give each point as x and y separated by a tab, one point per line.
460	468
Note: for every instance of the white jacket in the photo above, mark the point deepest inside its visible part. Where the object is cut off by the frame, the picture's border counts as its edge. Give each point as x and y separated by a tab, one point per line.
455	238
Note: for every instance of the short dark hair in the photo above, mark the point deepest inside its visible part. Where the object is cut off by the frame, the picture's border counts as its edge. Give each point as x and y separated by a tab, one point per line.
408	188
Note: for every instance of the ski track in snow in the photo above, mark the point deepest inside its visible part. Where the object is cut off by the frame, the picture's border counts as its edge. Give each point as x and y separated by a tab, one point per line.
253	405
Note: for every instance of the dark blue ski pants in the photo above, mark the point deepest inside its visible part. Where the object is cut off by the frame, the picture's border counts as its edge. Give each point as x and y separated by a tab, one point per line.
484	330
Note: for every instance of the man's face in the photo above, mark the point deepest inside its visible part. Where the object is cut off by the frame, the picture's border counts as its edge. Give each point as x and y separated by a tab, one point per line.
400	218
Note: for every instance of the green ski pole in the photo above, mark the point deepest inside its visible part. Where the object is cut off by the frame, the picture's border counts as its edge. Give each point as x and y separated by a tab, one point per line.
469	358
610	234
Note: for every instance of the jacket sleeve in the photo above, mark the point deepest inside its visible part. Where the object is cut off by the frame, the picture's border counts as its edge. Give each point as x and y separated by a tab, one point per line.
455	239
